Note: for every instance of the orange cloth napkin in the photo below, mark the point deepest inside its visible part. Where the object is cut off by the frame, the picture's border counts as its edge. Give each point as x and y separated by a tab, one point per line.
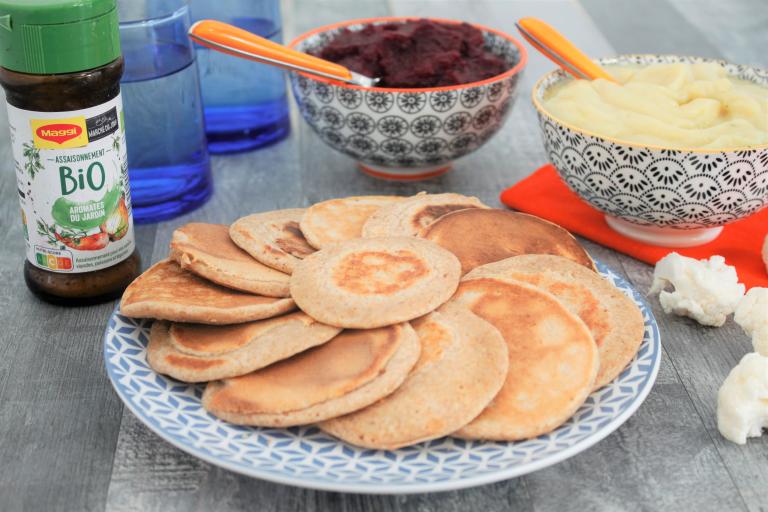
544	194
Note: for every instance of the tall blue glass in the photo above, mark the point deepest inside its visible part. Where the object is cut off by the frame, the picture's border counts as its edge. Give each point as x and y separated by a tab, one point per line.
168	162
245	102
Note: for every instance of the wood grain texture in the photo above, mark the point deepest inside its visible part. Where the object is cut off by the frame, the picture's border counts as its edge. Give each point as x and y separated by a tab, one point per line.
66	443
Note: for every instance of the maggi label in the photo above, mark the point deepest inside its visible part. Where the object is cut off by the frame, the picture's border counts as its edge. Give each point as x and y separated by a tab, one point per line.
59	133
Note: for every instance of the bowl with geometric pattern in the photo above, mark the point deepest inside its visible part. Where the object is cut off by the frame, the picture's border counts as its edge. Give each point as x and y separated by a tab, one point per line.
660	195
406	134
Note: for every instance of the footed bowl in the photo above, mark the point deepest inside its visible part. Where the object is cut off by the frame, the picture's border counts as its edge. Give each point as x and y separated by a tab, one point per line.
406	134
664	196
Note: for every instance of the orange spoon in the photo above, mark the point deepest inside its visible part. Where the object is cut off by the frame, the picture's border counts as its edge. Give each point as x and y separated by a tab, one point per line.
241	43
560	50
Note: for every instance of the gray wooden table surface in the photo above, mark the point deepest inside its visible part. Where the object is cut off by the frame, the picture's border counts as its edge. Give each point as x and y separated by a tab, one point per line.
67	442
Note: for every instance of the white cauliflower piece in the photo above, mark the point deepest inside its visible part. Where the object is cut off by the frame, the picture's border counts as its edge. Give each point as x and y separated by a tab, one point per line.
765	252
705	290
742	402
752	316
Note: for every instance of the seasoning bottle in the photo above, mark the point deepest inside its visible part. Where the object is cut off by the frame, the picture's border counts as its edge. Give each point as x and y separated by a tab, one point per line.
60	66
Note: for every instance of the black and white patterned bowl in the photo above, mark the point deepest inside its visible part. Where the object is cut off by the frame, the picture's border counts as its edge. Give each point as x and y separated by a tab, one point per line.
407	134
665	196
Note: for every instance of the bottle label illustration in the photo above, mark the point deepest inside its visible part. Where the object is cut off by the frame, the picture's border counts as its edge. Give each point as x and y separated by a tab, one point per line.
72	175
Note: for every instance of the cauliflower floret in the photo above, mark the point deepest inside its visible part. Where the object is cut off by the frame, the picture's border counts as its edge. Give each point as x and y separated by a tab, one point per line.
752	316
705	290
742	402
765	252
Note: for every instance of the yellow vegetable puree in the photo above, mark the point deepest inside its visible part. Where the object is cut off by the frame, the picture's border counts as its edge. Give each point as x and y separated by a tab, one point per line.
670	105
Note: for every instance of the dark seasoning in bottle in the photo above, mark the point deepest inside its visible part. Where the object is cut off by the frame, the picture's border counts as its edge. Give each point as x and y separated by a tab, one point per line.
60	66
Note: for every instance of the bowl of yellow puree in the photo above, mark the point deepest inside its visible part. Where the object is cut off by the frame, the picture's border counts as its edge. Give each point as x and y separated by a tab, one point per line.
673	150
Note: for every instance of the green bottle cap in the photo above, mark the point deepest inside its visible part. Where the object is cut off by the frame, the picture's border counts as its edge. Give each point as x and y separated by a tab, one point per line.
45	37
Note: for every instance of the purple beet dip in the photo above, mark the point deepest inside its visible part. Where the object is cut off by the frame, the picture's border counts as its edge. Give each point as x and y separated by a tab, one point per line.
413	54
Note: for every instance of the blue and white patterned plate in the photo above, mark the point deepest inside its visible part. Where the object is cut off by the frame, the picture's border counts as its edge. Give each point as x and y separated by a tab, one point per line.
307	457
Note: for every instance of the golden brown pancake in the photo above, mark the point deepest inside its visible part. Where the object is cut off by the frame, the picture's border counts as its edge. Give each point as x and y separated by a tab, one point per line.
481	236
208	251
337	220
613	318
353	370
372	282
462	366
553	359
198	353
167	292
273	238
411	216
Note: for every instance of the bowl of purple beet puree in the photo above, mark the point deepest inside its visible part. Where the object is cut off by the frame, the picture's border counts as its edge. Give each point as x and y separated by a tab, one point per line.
446	88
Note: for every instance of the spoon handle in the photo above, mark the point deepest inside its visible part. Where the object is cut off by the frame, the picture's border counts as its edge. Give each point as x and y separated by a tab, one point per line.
235	41
560	50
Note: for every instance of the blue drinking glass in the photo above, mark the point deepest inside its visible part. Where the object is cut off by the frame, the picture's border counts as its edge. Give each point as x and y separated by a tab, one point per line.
168	163
245	102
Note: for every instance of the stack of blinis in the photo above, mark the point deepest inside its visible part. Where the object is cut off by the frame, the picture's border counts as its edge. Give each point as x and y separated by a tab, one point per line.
387	321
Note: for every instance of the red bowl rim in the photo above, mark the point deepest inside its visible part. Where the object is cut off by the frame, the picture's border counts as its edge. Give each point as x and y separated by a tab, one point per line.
385	19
